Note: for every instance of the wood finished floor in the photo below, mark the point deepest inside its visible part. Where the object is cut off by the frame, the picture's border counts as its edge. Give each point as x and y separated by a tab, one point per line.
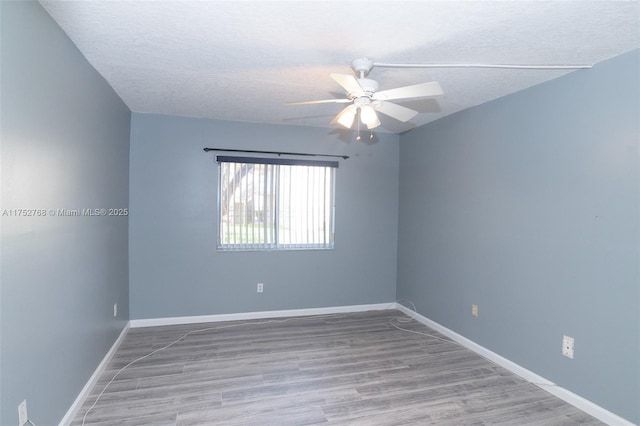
347	369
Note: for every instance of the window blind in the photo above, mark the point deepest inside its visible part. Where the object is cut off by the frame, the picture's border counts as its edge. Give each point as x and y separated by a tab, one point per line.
275	203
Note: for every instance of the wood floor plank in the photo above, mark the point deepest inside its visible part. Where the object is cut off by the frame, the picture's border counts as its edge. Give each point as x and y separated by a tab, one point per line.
342	369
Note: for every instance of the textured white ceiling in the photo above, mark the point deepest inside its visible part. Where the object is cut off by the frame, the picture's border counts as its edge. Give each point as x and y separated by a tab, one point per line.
242	60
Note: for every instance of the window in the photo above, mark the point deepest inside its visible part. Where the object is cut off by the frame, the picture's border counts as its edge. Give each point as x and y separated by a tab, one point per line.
275	204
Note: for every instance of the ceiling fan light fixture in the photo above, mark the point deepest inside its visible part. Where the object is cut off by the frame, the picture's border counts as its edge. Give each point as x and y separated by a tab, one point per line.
368	115
373	124
347	117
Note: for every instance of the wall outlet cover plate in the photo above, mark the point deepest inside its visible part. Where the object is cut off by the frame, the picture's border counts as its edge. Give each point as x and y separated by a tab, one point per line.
567	346
23	418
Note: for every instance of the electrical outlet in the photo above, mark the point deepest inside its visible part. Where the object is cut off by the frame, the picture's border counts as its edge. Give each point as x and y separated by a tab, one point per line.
23	418
260	288
474	310
567	346
115	310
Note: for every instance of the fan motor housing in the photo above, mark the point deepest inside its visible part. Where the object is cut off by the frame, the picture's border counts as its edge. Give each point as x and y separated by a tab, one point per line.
368	85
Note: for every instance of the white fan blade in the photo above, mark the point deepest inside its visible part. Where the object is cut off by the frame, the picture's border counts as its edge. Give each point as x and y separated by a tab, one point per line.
415	91
347	115
323	101
396	111
349	82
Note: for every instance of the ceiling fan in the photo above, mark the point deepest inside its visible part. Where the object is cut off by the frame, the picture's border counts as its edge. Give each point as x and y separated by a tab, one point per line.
364	98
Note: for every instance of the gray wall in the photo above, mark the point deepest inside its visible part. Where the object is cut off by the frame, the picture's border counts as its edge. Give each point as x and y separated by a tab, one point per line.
528	206
175	269
65	144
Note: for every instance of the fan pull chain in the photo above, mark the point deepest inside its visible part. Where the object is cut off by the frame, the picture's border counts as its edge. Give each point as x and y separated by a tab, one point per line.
359	119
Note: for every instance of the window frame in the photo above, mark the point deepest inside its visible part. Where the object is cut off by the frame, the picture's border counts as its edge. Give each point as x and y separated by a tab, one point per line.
277	246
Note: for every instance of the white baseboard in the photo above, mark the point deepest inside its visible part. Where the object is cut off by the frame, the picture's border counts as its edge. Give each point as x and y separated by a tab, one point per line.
587	406
152	322
84	393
